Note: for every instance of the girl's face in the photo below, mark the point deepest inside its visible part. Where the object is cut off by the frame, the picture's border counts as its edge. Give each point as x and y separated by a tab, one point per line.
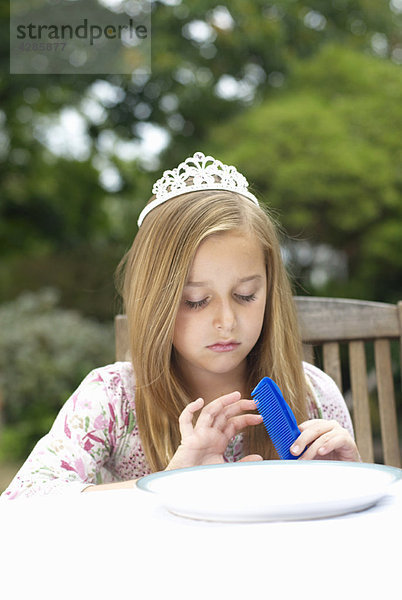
222	308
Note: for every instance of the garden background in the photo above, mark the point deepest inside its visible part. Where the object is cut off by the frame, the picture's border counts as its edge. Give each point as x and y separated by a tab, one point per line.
304	97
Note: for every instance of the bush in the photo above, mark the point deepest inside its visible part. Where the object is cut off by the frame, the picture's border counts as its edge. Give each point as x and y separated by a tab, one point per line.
45	352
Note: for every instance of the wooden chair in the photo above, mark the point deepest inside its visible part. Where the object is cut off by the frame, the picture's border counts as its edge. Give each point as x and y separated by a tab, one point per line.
332	328
331	324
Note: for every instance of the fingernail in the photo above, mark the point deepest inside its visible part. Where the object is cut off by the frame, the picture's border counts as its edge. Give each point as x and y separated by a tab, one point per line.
295	449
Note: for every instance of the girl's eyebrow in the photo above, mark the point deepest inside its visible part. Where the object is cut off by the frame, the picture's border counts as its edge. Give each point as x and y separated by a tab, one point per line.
205	283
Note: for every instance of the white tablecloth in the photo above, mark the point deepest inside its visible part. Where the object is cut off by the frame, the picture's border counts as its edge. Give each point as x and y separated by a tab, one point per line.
125	544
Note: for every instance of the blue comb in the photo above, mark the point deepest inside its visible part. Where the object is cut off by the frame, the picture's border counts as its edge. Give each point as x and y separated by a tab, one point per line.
277	416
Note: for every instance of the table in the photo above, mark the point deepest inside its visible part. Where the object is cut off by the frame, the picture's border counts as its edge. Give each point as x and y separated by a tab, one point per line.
126	544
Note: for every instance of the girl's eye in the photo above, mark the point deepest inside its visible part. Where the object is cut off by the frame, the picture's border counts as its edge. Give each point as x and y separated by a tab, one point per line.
197	304
249	298
201	303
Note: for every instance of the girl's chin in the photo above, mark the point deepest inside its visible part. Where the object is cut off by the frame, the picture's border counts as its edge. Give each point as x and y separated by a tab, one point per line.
223	365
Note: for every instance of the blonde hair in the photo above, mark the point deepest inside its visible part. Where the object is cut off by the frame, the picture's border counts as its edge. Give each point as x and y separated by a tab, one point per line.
153	274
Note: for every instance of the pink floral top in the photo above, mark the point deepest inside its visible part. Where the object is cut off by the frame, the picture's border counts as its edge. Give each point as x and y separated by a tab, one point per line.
95	438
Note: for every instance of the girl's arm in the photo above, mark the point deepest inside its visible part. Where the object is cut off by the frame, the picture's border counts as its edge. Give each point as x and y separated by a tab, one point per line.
205	442
82	440
328	398
118	485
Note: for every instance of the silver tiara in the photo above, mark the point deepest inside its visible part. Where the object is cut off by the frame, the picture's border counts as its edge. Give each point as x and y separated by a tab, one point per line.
205	173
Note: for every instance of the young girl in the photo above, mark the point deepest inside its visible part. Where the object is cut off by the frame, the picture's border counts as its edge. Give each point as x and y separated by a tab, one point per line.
210	312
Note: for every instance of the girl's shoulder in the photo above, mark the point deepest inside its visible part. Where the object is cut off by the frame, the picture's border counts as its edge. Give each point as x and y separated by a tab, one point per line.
319	379
118	371
326	400
116	379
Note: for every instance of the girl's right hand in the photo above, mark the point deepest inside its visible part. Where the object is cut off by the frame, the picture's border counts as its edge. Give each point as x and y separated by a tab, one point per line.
205	442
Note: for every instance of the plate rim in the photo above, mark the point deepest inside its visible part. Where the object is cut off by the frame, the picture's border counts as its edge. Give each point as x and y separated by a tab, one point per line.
143	482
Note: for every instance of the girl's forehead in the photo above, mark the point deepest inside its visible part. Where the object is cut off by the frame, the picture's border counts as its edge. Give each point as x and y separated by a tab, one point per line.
230	250
243	239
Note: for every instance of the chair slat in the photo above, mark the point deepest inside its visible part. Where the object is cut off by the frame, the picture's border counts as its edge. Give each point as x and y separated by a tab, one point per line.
332	362
361	408
386	399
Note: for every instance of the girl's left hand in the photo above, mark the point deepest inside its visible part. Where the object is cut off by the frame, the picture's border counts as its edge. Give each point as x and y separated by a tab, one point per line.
327	440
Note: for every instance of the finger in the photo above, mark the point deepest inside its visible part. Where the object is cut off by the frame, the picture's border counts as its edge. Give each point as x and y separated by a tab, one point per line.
214	408
237	424
335	441
233	410
237	407
308	423
251	457
310	431
228	398
340	442
317	424
315	449
186	417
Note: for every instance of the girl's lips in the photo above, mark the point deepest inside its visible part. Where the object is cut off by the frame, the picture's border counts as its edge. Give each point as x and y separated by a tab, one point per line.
224	347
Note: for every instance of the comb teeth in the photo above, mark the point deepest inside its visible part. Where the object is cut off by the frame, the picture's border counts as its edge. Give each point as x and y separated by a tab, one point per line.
277	417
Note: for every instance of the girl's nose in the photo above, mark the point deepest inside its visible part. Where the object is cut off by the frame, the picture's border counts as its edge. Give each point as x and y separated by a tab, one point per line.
225	318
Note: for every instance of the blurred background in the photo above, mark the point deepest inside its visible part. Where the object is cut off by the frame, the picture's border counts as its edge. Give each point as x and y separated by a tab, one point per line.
304	97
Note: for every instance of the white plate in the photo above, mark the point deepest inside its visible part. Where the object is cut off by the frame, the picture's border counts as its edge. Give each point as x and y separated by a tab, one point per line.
271	490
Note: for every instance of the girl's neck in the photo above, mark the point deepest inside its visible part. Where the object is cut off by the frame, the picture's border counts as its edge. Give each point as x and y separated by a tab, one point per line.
214	385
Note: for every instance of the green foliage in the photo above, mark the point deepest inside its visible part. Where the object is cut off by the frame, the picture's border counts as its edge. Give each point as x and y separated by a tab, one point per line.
49	202
42	206
45	352
326	154
84	277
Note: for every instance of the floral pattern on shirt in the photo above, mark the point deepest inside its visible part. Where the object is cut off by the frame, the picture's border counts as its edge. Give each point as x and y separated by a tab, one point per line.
95	437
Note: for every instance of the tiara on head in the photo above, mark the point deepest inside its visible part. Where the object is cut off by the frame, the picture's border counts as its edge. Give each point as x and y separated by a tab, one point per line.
204	173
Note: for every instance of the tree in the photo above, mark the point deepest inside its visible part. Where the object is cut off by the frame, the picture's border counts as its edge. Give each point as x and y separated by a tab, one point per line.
326	154
210	63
